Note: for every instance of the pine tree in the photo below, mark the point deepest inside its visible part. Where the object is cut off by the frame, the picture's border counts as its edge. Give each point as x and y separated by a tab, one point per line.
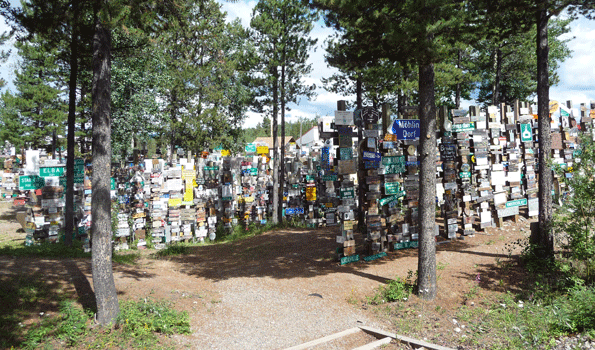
282	29
35	113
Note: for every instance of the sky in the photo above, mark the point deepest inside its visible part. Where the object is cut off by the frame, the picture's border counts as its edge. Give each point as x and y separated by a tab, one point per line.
577	73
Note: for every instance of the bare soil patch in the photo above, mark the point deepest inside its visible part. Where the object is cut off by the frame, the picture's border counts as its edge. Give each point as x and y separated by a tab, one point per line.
282	288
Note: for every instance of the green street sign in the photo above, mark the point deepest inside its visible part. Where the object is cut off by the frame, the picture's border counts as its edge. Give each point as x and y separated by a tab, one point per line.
389	160
112	183
465	174
79	169
349	259
391	187
30	182
375	256
463	127
253	171
391	199
329	177
79	161
526	133
516	203
250	148
211	168
347	192
51	171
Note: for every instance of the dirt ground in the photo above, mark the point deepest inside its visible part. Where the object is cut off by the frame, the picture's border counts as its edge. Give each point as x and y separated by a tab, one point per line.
281	288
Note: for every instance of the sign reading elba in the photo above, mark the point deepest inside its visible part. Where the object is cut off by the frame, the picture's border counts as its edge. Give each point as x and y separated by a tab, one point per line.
406	129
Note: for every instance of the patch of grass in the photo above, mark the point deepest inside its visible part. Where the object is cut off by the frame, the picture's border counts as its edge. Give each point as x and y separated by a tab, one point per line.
441	266
173	249
45	250
21	296
126	257
396	290
138	326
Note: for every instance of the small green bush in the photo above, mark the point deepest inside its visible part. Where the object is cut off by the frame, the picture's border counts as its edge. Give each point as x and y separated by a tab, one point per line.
146	316
575	312
575	219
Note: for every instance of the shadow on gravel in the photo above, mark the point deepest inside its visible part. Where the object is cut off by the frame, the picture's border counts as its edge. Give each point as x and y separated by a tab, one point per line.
500	277
285	254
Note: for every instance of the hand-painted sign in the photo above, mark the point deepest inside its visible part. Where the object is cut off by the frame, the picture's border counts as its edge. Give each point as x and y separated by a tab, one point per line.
406	129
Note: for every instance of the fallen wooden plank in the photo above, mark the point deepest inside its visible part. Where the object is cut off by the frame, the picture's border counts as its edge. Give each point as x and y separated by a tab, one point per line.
379	333
375	344
325	339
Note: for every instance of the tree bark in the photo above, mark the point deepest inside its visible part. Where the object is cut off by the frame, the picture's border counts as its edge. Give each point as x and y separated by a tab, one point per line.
544	236
426	279
69	210
274	159
282	161
496	87
458	88
103	278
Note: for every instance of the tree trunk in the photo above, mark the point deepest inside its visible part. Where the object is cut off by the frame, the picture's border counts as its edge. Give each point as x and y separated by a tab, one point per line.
544	236
496	87
361	196
458	88
103	278
275	163
426	279
282	161
69	210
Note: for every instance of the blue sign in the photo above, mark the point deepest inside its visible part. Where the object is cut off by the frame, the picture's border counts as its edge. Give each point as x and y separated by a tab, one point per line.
371	156
406	129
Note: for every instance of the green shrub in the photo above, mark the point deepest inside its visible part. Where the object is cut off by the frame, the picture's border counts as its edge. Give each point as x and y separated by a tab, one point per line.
146	316
575	219
575	312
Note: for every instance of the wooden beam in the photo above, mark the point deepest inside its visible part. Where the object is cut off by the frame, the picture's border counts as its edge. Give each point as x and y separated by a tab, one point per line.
375	344
379	333
325	339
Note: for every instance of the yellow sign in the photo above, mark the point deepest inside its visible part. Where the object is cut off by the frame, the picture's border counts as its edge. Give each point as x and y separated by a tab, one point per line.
188	174
554	106
262	150
225	153
188	196
175	202
592	113
311	193
249	199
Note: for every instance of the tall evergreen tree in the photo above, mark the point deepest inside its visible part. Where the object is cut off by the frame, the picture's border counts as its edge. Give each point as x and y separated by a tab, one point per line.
36	112
423	33
282	29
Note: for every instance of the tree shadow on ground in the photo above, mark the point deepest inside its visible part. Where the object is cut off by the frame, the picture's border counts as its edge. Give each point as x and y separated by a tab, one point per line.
31	286
285	254
503	276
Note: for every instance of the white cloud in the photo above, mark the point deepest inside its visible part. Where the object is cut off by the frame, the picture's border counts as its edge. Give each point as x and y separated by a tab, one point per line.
577	73
240	9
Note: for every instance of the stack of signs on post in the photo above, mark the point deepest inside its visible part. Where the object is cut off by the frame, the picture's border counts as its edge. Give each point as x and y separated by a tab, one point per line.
52	200
157	209
175	187
391	168
529	152
371	157
343	208
486	126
